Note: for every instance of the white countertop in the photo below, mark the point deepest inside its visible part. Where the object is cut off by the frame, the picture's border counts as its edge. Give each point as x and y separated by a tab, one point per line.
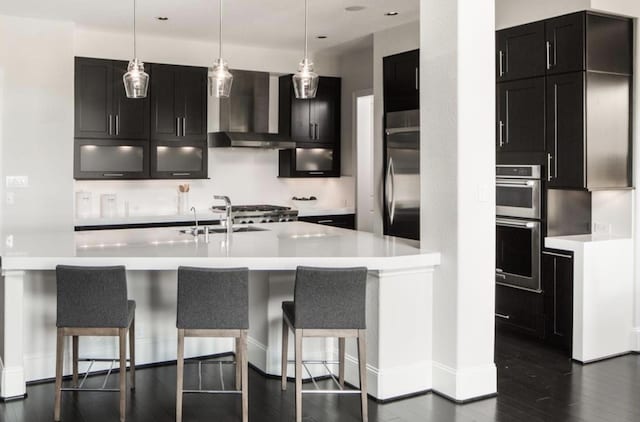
282	246
571	242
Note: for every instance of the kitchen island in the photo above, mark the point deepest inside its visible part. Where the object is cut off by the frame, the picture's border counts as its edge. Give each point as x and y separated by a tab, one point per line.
399	297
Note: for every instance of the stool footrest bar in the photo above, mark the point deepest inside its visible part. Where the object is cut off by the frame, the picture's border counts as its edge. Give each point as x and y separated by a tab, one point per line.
92	390
331	391
211	392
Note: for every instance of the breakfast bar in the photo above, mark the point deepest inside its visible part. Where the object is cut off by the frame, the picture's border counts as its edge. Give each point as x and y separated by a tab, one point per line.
399	297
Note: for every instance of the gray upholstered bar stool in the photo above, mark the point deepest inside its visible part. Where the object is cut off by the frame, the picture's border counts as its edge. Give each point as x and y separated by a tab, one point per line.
214	303
328	302
92	301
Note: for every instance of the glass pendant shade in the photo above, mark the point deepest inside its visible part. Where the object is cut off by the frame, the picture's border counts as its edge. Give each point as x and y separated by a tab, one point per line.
221	79
305	80
136	80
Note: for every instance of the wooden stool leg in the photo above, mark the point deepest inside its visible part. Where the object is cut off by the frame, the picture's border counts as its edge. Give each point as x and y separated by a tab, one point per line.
132	353
245	376
362	362
239	366
123	372
180	375
298	339
341	353
285	352
59	363
74	358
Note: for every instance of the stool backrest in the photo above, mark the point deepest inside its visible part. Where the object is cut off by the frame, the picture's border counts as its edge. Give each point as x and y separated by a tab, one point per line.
91	296
330	298
213	298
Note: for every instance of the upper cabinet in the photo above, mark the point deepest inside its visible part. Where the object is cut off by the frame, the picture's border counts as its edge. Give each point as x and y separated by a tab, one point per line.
178	103
102	109
576	42
520	52
313	121
402	81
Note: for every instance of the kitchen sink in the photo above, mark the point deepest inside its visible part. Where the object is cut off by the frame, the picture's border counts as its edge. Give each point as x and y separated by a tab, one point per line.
218	229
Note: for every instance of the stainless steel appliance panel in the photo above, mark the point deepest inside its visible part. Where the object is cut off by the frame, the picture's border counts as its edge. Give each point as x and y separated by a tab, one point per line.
568	212
518	253
402	175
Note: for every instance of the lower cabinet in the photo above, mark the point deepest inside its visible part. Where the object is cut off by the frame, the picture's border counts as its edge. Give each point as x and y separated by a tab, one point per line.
557	282
178	160
344	221
521	310
110	159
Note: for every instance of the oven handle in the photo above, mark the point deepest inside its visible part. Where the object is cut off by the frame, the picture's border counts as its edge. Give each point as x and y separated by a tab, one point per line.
511	183
516	223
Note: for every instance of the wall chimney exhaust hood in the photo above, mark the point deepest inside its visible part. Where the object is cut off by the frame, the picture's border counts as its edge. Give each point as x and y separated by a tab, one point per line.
244	116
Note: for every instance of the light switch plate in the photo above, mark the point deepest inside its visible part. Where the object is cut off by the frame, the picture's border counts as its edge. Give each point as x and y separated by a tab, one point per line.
17	181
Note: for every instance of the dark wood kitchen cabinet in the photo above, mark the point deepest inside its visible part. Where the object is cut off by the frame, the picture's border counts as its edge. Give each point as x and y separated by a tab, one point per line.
109	159
557	281
520	310
309	162
311	122
520	110
178	160
402	81
102	109
520	52
178	103
343	221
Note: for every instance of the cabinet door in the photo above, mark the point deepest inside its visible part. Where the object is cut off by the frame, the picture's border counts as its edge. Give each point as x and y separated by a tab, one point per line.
164	103
110	159
179	160
521	116
520	52
302	129
565	38
343	221
192	103
131	116
557	278
520	310
325	111
565	131
402	81
93	98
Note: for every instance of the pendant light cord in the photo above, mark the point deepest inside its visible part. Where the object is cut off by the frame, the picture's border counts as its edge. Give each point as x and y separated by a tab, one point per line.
220	28
305	29
135	54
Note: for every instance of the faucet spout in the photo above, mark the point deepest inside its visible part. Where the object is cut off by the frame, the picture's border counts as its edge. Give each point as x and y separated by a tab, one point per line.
227	209
195	230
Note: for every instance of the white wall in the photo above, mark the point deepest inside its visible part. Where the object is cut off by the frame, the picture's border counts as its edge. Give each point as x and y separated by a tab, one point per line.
457	176
517	12
391	41
36	121
356	71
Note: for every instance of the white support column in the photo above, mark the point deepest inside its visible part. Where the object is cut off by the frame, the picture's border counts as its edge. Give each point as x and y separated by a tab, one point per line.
12	383
458	196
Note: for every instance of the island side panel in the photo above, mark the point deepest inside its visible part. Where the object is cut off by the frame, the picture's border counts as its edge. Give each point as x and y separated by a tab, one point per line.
12	379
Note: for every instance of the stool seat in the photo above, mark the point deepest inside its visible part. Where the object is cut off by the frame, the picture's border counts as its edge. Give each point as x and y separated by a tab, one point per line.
289	310
131	311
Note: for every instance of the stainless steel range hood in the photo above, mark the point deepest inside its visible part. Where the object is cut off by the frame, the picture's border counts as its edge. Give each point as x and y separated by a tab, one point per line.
243	118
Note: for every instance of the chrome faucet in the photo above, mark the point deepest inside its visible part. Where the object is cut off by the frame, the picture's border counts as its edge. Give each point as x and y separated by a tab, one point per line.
195	230
227	209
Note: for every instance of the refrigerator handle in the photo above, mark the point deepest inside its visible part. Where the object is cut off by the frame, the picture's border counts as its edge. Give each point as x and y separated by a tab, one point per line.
388	188
392	195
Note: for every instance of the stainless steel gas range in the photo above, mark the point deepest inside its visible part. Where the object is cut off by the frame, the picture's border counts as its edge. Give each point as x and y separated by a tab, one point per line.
252	214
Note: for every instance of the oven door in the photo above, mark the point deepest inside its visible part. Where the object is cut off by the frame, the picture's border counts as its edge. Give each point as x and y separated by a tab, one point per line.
518	253
518	198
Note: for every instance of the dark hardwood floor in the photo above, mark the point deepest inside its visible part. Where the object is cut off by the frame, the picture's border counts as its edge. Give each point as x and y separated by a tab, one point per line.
535	383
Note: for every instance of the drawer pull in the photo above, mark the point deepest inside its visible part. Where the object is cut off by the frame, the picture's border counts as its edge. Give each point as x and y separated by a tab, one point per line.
112	174
316	172
503	316
325	221
181	174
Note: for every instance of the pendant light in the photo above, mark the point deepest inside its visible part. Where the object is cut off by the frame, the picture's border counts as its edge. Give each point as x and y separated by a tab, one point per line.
305	80
136	80
221	80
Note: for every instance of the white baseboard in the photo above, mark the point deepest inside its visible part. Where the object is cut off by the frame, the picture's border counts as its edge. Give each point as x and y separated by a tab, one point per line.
466	383
635	339
12	383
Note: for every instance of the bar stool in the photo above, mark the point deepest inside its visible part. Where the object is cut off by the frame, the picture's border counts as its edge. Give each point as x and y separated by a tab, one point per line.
214	303
328	302
92	301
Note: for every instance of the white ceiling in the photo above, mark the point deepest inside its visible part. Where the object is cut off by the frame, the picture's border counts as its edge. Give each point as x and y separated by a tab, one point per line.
267	23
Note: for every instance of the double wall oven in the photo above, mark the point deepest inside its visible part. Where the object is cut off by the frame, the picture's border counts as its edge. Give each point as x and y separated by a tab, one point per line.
518	226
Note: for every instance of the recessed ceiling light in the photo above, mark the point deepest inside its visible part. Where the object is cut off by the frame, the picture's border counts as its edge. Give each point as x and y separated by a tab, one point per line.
391	14
321	37
162	18
354	8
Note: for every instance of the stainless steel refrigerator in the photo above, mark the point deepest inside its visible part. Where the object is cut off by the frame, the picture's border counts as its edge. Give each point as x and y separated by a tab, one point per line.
402	174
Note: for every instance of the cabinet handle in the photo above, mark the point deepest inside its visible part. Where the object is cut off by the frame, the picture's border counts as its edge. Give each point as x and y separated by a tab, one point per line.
177	126
117	124
316	172
325	221
501	133
417	79
549	167
548	44
184	125
501	63
181	174
112	174
503	316
310	130
317	132
110	123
